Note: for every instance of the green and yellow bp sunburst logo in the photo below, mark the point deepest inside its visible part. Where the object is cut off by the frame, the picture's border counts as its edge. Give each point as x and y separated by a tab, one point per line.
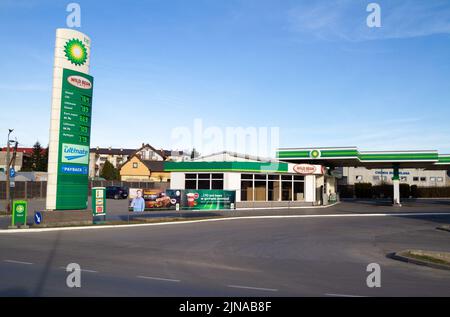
76	52
315	153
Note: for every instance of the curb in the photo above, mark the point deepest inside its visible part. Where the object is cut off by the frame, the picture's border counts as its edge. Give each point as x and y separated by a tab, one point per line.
8	231
407	259
293	207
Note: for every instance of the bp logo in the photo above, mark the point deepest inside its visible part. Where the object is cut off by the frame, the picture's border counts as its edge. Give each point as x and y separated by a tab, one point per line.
314	154
20	209
76	52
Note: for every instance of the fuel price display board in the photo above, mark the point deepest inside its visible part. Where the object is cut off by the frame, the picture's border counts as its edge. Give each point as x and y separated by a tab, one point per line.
74	140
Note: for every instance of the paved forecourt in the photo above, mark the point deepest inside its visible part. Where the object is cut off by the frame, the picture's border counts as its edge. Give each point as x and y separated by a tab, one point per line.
321	256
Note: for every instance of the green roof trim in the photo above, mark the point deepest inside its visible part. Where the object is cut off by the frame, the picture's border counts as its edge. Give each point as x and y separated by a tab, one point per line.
364	156
258	167
442	159
290	154
398	157
339	153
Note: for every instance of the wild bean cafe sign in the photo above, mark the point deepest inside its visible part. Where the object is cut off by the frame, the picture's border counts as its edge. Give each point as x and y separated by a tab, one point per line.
308	169
70	128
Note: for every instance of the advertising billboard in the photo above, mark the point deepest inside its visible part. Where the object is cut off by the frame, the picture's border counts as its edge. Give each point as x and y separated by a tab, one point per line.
201	199
155	199
70	126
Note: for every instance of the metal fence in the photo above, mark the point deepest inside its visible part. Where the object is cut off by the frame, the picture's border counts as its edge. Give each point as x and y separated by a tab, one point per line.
26	190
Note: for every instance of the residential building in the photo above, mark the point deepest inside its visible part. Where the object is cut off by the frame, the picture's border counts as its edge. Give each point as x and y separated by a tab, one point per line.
144	170
98	157
18	164
411	176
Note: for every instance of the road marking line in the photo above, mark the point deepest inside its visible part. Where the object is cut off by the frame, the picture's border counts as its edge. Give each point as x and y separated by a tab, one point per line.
158	278
343	295
404	214
254	288
18	262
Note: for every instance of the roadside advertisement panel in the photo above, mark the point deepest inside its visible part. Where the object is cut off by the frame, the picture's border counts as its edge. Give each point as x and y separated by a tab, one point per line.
203	199
153	198
185	199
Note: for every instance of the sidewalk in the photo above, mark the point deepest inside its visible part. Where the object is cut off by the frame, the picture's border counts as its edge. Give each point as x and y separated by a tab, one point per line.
118	210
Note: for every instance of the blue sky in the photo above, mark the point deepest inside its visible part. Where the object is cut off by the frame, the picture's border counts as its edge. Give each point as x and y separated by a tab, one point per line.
312	68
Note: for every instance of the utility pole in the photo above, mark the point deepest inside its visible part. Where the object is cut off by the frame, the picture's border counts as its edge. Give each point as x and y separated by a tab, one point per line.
8	197
12	164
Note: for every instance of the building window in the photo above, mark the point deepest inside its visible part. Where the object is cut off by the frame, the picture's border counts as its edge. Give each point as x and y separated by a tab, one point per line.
190	181
216	181
135	165
203	181
246	190
260	187
190	184
299	190
286	190
272	187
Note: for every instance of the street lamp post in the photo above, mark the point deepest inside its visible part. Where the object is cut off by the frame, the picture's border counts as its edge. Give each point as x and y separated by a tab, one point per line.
8	197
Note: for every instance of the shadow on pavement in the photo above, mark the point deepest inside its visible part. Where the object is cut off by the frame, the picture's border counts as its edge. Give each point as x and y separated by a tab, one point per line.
44	276
15	292
169	215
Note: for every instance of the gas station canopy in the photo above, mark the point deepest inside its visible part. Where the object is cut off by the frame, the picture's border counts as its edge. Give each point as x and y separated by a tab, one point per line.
351	156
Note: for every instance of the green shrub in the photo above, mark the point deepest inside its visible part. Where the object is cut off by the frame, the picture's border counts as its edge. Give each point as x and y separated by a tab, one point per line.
383	191
414	191
363	190
405	191
433	192
346	191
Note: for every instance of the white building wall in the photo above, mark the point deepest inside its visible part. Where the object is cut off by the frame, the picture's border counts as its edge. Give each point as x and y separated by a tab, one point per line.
232	181
177	180
364	175
310	188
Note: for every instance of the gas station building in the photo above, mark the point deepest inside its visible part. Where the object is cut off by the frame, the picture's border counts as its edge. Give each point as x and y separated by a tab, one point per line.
298	176
258	182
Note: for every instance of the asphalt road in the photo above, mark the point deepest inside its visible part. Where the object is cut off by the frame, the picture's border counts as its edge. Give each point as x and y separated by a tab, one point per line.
244	257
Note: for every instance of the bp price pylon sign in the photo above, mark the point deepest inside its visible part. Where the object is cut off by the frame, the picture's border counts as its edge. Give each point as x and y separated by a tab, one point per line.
70	127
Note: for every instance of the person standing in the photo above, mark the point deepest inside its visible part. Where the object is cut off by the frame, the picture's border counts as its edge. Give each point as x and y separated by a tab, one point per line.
138	203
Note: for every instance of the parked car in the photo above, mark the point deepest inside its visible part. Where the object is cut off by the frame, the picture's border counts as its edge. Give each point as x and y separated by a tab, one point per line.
116	192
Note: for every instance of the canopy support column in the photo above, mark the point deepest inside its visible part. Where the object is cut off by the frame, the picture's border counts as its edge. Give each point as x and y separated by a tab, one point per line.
396	183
